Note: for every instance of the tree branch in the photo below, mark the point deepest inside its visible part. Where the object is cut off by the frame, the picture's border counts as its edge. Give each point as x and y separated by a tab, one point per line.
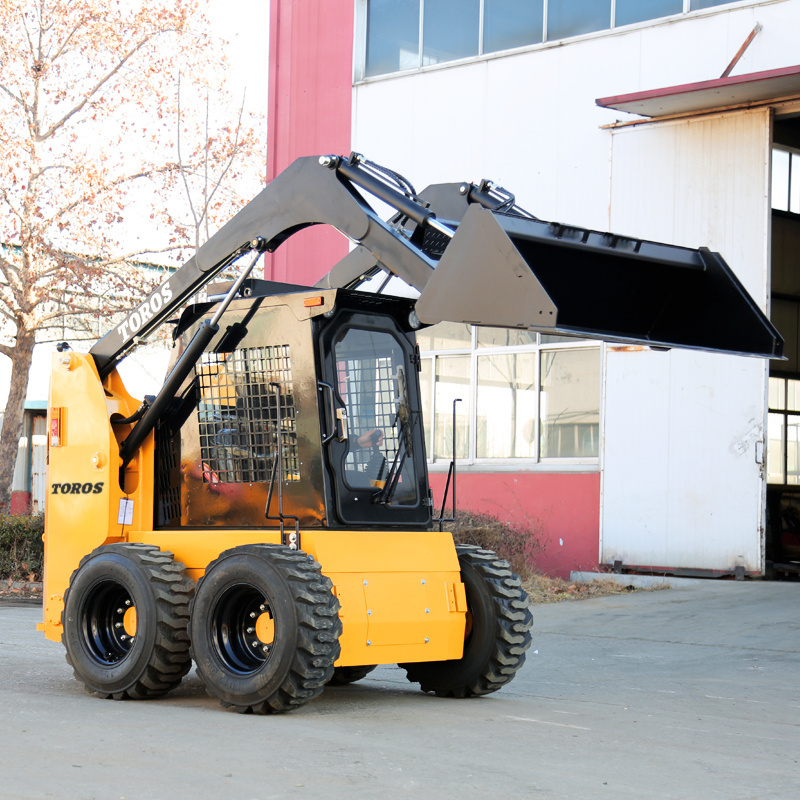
180	165
98	86
105	189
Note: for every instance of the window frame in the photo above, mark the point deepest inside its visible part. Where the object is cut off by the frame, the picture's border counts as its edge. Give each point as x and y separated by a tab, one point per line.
785	414
791	180
473	351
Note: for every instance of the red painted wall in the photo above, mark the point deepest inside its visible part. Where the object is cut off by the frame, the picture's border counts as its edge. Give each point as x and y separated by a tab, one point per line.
561	510
20	502
309	113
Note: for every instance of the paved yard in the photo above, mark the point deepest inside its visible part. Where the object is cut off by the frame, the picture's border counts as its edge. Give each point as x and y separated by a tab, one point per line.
685	693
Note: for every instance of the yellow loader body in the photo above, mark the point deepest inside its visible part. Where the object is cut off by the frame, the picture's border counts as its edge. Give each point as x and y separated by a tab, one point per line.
400	593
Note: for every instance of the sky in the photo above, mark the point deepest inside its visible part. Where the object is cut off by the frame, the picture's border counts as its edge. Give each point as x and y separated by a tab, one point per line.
245	24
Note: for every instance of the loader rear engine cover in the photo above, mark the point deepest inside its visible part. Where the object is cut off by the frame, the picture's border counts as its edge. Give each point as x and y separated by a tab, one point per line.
267	513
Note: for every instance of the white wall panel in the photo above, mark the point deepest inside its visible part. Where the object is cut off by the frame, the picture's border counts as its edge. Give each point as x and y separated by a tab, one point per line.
684	432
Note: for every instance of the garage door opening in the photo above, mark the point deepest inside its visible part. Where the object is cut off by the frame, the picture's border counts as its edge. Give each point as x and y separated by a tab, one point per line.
782	539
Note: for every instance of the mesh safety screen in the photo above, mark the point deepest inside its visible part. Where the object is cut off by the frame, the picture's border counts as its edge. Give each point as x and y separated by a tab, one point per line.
239	414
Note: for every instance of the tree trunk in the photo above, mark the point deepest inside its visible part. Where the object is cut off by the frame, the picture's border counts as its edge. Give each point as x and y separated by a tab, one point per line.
14	416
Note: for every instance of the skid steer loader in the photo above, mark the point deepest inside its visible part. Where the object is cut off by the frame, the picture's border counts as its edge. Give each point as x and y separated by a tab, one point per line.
267	514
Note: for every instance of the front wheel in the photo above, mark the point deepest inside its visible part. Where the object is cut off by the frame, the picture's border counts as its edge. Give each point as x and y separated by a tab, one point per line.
498	628
125	617
265	628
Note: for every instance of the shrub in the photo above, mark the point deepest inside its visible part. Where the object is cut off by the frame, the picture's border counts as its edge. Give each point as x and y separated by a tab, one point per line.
21	547
518	545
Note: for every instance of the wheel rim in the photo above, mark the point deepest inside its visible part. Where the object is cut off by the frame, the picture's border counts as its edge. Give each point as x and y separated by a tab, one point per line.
105	629
242	629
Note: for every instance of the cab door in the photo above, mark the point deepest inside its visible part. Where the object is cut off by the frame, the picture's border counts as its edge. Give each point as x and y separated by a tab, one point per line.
373	448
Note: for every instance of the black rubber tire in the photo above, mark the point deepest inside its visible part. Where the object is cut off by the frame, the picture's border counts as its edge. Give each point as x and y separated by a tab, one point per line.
107	659
243	671
342	676
498	631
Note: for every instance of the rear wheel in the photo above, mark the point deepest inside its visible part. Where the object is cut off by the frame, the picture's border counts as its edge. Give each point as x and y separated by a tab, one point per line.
498	631
265	628
124	621
345	675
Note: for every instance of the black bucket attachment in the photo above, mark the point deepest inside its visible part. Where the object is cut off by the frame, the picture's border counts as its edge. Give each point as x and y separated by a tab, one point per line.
508	271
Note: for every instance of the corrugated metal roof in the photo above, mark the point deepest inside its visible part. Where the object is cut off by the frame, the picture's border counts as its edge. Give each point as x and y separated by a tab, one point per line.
689	98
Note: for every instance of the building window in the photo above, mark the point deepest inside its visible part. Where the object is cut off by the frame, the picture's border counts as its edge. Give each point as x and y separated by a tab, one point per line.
567	18
786	180
392	36
783	432
627	12
409	34
509	395
450	30
512	23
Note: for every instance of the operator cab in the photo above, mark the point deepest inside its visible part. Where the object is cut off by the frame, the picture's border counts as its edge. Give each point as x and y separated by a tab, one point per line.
303	410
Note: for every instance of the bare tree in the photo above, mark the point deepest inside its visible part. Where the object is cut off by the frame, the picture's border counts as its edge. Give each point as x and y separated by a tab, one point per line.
87	103
218	161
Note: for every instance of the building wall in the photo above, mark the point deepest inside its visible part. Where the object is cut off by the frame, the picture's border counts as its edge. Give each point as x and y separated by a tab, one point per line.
682	486
529	121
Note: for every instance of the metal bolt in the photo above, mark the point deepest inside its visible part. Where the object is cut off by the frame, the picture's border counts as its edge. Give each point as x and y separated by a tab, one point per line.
251	630
263	607
369	612
427	640
423	581
427	611
127	602
265	648
120	611
255	644
253	615
123	637
463	188
366	583
368	642
118	625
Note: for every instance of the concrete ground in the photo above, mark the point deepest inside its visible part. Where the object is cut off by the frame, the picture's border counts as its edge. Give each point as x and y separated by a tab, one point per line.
684	693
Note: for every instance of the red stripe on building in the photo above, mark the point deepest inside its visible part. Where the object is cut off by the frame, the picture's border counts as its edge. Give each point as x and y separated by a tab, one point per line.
310	107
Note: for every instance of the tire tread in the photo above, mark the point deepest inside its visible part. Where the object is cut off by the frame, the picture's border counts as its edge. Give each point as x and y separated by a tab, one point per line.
513	622
172	590
318	630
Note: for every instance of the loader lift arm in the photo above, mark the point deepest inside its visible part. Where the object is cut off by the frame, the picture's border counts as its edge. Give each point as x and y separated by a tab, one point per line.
624	287
310	191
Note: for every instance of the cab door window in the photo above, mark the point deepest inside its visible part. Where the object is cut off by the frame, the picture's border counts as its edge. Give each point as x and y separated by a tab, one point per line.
372	383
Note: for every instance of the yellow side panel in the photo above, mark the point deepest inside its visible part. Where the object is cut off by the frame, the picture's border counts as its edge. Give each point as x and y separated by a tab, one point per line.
197	548
400	593
82	486
84	502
